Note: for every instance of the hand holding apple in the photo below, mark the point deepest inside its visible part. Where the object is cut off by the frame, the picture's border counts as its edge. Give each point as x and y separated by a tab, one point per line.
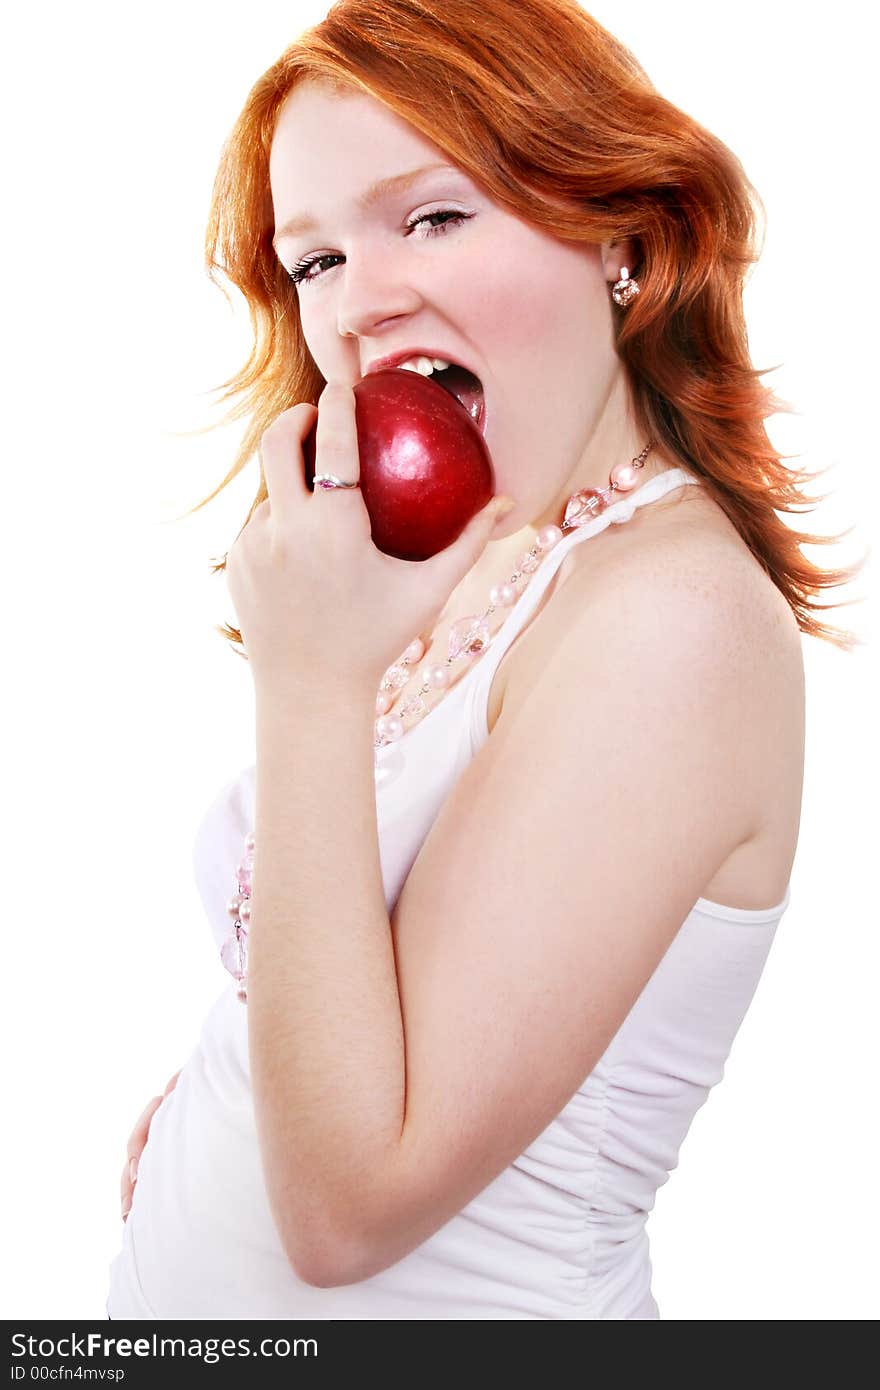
425	469
322	610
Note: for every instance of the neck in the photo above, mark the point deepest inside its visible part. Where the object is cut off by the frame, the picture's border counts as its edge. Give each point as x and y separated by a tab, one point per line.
614	439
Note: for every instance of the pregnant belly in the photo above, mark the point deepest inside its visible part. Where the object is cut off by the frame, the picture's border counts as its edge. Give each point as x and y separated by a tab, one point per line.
200	1241
200	1238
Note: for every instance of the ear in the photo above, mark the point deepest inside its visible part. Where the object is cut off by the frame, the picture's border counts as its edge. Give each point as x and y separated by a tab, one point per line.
615	254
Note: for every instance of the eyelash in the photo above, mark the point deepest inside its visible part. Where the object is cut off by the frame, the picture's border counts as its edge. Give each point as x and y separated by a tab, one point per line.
298	272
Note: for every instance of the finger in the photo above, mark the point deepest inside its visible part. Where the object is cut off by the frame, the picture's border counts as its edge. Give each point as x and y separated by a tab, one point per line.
282	459
173	1082
336	443
126	1190
126	1187
138	1137
137	1141
449	566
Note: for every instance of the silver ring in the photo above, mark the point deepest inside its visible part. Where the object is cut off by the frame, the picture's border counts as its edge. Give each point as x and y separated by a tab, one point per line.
328	480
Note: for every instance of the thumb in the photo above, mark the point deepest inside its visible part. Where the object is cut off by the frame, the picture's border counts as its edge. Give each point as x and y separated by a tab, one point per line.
485	521
502	504
480	529
453	563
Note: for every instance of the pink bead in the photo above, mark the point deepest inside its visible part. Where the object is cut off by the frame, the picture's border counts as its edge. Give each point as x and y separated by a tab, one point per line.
547	537
389	726
468	637
415	651
383	702
233	955
502	595
436	676
234	903
624	476
250	842
414	704
395	677
244	914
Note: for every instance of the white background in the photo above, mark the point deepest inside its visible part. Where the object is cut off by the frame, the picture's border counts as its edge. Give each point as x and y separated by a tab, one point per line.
126	713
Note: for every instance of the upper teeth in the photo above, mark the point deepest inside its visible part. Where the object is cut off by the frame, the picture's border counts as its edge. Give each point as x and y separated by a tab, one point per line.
425	365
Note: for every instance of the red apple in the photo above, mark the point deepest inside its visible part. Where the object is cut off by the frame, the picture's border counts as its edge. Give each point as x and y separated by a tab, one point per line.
425	468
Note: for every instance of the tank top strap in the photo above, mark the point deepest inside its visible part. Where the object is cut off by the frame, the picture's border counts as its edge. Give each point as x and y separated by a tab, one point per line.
618	512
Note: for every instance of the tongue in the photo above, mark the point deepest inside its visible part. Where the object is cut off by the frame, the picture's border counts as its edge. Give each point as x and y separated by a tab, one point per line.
465	387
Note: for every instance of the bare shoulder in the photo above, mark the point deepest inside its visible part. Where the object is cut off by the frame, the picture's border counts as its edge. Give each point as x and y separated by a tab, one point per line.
691	555
676	590
670	563
695	562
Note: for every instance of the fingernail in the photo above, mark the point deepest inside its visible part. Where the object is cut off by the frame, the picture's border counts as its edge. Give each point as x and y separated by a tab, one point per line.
133	1170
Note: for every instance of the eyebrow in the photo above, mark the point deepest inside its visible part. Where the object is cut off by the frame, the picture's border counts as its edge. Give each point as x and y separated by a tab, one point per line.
375	193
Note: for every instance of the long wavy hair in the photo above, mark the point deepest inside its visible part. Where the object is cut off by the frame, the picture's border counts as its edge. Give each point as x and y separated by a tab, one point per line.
557	120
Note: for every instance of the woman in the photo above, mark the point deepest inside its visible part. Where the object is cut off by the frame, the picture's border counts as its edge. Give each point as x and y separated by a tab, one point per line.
508	909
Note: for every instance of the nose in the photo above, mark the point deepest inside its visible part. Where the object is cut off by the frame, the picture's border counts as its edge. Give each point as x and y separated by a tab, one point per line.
374	298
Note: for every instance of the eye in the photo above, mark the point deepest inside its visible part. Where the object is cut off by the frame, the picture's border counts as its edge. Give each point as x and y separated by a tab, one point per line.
299	273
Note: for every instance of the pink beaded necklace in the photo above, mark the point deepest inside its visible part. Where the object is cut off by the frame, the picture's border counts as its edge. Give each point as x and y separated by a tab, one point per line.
468	637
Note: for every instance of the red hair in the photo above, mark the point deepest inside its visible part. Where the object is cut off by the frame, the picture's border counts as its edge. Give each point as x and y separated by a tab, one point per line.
560	124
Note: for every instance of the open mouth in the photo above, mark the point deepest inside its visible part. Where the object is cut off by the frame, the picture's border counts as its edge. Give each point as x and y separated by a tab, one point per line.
466	388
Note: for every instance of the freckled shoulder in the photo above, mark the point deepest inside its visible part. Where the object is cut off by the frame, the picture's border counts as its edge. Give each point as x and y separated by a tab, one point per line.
688	546
685	514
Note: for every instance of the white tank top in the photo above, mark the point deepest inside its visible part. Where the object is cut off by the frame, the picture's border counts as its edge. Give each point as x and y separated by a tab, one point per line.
558	1234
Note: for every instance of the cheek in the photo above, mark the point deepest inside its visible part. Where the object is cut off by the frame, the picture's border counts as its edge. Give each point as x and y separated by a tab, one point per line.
552	332
508	309
545	306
